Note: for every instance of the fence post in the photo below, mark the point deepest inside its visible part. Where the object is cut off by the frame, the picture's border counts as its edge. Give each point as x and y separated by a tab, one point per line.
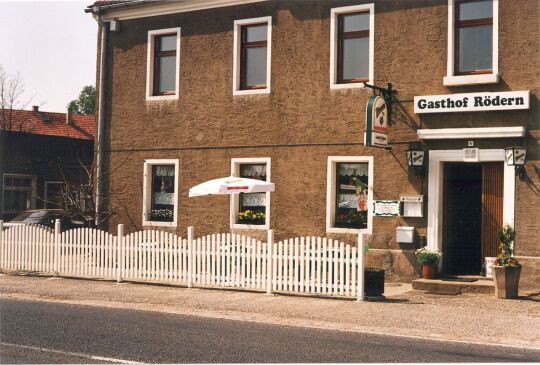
119	258
360	267
57	231
190	256
269	262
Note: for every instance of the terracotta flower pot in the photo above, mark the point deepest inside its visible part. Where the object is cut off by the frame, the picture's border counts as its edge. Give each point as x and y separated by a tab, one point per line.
506	281
429	271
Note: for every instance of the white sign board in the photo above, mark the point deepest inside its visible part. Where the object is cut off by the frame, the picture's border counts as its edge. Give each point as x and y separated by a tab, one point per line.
472	102
387	208
471	154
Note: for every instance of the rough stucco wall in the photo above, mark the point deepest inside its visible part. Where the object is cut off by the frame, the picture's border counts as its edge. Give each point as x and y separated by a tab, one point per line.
410	52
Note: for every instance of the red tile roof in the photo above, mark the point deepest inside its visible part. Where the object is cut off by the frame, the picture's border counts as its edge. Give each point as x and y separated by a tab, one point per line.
29	121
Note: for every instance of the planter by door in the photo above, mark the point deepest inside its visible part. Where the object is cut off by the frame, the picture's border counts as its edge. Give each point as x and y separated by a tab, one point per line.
506	281
429	271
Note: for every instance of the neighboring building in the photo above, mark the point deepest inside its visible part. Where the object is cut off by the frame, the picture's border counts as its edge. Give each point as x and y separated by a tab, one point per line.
274	90
41	152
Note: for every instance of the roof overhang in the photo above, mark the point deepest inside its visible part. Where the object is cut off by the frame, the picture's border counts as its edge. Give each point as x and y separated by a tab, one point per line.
472	133
144	8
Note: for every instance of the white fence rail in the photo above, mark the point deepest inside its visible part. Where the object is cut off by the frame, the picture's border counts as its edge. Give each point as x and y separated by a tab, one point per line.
313	265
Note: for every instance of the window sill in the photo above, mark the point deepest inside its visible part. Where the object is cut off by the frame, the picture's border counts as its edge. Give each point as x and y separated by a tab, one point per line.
159	224
470	80
260	227
351	85
251	92
161	97
347	230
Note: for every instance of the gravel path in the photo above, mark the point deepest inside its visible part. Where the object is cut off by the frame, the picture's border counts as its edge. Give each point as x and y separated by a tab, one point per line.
467	317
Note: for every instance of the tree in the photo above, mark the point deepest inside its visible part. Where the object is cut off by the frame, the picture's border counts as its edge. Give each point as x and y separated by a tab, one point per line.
11	98
86	102
77	195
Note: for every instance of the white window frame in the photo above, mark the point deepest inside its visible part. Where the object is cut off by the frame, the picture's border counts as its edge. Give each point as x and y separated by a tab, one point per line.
33	187
334	13
235	198
150	65
237	35
331	193
455	80
46	191
147	193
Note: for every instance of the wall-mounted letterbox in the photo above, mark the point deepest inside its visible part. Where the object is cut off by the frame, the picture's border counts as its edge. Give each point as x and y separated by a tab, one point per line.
412	205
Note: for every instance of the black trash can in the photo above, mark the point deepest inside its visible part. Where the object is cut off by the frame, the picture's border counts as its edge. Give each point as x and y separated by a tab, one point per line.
373	282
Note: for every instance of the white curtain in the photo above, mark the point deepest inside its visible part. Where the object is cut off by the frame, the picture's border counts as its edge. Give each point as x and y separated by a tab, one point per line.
165	170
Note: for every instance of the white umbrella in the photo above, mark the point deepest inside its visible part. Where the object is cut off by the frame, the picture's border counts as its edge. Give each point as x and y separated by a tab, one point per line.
231	185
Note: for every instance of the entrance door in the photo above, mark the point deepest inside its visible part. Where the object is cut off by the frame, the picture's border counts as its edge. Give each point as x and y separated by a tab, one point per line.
462	218
473	196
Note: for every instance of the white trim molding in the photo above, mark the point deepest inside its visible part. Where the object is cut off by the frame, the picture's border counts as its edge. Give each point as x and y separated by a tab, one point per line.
456	80
331	193
237	35
168	7
235	198
334	13
147	192
435	190
464	133
150	65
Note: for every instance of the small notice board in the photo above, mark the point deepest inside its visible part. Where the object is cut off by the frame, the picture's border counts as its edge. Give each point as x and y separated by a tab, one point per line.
386	208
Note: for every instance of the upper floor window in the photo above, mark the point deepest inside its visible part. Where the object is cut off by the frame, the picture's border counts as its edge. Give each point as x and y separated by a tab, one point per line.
351	46
252	44
472	42
474	37
163	64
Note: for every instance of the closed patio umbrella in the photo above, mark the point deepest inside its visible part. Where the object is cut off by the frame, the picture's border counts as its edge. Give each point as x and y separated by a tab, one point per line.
231	185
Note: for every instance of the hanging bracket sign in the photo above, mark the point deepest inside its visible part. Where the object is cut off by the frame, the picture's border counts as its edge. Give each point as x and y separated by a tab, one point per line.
376	122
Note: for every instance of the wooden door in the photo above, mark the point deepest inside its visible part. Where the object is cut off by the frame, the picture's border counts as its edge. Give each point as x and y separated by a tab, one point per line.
462	204
492	206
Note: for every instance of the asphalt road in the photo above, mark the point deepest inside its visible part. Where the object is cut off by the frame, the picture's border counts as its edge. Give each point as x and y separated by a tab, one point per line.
40	332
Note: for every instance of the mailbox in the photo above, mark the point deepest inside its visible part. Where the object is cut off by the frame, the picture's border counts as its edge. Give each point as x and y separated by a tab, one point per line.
412	205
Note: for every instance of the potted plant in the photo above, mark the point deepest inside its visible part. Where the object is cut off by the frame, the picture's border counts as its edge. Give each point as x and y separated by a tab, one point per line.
251	217
506	268
429	260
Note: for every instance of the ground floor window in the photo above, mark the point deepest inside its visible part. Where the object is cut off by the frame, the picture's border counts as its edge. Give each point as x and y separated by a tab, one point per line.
251	210
19	193
160	192
349	194
54	194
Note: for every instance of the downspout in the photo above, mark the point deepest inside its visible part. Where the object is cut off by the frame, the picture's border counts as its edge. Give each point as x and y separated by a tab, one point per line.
101	117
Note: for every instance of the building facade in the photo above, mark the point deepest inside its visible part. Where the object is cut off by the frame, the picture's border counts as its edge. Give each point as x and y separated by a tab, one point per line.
41	154
275	90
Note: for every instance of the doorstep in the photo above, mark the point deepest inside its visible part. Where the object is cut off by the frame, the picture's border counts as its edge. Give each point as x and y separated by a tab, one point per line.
451	287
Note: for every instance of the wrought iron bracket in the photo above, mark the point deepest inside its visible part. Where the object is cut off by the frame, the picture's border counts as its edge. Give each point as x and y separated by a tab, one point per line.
388	95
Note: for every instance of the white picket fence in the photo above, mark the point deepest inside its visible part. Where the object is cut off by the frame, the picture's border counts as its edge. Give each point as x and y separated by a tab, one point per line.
314	265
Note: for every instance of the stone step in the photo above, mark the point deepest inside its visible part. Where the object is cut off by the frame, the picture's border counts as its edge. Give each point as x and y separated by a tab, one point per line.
450	287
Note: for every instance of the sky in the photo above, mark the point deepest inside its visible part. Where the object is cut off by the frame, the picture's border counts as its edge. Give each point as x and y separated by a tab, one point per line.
52	44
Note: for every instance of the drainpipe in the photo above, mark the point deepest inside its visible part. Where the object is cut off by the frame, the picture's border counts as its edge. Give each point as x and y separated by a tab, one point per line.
101	117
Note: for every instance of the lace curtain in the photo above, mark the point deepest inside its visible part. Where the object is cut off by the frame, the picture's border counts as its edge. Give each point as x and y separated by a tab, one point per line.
164	170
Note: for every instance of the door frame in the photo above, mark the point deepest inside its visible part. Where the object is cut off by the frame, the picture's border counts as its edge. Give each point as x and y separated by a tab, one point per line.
435	190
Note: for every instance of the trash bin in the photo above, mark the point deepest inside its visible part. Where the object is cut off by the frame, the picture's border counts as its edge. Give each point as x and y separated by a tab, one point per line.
373	282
